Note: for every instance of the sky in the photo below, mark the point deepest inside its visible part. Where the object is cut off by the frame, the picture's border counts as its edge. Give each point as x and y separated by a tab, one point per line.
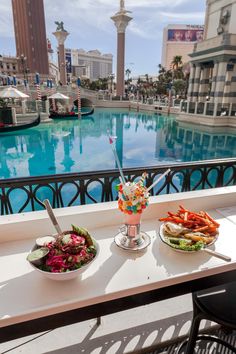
90	27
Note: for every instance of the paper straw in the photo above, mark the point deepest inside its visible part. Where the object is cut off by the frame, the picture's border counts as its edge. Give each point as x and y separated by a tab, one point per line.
117	159
125	195
158	180
120	180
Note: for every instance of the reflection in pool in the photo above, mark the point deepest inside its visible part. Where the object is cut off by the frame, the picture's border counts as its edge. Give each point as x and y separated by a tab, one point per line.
82	145
77	146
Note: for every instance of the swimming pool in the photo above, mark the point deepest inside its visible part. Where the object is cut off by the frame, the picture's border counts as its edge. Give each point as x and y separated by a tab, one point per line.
82	145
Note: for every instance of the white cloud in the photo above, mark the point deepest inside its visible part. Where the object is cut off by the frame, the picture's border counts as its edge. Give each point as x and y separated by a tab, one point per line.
6	28
84	16
90	26
195	16
133	4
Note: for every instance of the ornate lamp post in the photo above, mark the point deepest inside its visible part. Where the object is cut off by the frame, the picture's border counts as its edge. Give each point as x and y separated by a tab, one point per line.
111	78
1	62
169	88
23	60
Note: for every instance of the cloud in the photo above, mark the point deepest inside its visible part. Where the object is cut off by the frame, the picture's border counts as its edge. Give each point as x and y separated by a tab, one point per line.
90	26
83	17
190	16
6	28
134	4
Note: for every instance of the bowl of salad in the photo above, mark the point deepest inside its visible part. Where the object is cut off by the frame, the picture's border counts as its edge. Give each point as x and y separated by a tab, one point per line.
65	256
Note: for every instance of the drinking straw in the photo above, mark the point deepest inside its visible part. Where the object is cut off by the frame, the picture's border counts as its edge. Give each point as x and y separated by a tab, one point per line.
116	157
158	180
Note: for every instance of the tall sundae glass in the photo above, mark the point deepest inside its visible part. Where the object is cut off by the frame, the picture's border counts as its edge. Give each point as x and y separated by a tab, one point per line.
132	201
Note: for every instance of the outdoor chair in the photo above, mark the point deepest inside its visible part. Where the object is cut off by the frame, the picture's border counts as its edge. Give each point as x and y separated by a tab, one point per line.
216	304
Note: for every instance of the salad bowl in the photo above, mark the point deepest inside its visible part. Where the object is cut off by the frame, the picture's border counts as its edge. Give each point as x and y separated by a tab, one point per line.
64	257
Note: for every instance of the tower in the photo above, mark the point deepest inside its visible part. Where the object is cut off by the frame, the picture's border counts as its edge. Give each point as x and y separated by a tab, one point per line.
30	35
121	20
61	35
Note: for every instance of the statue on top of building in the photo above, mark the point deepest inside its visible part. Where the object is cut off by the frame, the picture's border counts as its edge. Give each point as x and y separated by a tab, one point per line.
60	26
122	5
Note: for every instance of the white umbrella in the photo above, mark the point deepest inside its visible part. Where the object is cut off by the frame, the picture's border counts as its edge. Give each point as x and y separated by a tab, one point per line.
59	95
11	92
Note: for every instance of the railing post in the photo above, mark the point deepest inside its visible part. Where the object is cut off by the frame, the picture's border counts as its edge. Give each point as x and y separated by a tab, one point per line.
82	192
23	107
215	108
205	108
47	107
187	109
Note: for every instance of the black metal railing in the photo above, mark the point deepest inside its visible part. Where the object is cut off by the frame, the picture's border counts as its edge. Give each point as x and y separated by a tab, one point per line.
26	194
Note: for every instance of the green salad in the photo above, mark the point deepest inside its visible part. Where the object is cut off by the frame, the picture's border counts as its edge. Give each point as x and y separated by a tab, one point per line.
184	245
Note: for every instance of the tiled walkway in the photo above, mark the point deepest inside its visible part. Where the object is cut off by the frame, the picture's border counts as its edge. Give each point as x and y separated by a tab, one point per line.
137	331
202	347
132	331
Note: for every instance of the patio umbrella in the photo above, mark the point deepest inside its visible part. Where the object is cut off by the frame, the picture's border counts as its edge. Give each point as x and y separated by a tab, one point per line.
58	96
11	92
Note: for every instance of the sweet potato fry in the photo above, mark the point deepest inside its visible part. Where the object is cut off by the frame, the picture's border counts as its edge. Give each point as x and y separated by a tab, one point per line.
200	229
212	220
197	222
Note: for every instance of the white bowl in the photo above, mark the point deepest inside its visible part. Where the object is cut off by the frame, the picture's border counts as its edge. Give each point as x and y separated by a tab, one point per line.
66	275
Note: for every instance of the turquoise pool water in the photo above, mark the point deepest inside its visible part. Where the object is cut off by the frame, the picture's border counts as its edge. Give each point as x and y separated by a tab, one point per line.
142	140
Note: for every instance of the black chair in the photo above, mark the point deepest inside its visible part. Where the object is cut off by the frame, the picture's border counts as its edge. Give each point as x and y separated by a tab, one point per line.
216	304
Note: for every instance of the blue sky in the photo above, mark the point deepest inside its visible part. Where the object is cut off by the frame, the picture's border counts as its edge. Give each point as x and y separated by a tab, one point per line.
90	26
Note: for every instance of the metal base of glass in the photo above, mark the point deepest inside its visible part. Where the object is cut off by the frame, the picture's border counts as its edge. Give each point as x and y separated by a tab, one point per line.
133	243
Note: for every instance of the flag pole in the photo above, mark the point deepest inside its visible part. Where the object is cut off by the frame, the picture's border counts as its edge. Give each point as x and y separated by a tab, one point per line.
111	141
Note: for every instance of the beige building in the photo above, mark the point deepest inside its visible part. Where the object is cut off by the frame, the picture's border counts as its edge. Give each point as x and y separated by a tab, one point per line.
90	64
212	83
179	40
8	65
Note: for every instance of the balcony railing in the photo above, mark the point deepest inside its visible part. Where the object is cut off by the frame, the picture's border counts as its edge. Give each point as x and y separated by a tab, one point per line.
209	108
19	195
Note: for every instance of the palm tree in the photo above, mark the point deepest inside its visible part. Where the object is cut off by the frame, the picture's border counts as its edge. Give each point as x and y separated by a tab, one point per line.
177	65
127	73
147	77
177	62
161	70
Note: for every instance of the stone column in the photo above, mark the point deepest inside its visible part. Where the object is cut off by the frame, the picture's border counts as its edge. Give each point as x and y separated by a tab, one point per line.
204	84
233	86
213	84
196	82
121	20
220	82
191	81
230	88
61	36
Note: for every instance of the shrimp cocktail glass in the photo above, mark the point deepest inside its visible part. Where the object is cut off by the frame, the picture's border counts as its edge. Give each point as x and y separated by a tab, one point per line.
132	201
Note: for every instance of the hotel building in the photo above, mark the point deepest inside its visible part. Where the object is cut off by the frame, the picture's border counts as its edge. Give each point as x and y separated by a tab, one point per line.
91	64
179	40
212	83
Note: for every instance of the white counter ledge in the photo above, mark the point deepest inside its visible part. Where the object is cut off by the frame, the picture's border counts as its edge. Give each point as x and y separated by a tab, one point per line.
26	295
